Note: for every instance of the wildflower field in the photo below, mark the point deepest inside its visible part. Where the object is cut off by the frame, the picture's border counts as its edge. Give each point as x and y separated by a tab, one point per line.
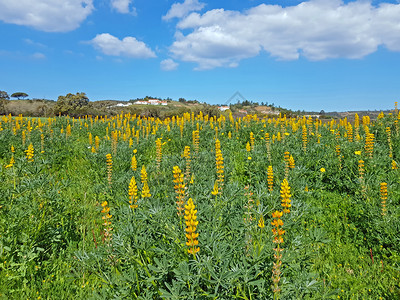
199	207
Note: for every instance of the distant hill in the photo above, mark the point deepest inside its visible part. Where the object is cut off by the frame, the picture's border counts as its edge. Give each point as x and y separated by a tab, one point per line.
350	114
168	108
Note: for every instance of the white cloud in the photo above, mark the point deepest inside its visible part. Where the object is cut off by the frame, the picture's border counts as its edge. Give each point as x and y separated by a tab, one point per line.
315	29
129	46
168	65
123	6
34	44
179	10
38	55
46	15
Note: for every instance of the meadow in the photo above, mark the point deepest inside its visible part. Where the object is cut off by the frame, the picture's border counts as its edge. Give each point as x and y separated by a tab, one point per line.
199	207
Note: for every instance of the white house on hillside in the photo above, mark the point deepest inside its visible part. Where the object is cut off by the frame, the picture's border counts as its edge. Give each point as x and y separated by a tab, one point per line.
152	102
223	108
157	102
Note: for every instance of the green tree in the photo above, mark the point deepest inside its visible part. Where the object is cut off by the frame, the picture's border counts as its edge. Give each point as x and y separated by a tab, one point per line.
19	95
4	95
3	100
72	104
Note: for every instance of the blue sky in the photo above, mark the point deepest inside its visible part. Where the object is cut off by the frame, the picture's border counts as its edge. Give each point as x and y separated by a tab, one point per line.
311	55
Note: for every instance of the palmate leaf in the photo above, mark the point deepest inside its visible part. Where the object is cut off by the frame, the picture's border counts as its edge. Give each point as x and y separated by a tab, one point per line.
175	292
182	272
318	236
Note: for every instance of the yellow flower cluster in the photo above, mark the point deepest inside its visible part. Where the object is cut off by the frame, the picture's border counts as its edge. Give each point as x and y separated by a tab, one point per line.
248	147
12	162
42	143
286	157
97	143
337	149
270	178
389	139
304	138
252	140
268	145
191	226
215	190
133	193
369	144
114	141
261	223
30	152
278	232
384	196
285	195
349	132
109	168
158	152
133	163
277	223
68	131
186	155
361	168
145	187
291	162
196	141
107	222
219	161
179	189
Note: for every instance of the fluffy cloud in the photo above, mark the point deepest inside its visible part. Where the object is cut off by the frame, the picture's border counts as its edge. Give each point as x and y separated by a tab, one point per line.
179	10
123	6
316	30
168	65
128	47
46	15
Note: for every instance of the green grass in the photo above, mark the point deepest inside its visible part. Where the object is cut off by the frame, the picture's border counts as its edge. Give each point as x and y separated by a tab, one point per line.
337	244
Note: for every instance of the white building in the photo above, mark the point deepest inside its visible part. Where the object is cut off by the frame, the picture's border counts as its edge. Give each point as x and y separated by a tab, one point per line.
141	102
223	108
156	102
123	105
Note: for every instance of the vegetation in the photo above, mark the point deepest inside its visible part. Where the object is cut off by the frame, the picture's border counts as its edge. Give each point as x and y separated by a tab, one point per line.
3	100
71	104
199	207
19	95
4	95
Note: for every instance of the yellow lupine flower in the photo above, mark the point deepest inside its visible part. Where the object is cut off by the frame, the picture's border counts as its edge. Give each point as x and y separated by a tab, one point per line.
12	162
285	195
270	178
145	188
179	189
261	223
215	190
133	193
30	152
191	226
133	163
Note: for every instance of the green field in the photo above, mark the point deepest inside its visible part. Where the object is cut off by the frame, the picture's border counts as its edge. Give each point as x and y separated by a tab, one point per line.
72	225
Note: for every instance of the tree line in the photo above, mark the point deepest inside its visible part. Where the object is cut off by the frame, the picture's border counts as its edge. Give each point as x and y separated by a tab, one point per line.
78	104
